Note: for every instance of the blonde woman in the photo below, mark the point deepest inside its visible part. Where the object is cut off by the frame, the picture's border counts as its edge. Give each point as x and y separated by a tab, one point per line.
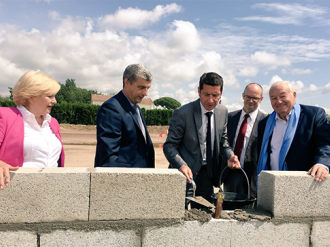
29	136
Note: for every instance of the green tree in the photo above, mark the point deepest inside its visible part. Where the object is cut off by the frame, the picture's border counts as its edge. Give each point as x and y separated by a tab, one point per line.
70	93
167	103
11	93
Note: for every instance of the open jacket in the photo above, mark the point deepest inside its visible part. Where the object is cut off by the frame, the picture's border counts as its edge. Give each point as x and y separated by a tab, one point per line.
12	137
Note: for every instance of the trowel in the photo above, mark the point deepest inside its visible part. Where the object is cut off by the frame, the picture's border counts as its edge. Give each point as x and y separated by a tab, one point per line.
199	199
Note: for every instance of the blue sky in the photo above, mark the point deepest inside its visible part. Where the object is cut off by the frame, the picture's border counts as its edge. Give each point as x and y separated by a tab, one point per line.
92	41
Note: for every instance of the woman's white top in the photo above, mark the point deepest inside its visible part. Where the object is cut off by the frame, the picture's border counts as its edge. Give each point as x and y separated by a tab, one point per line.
41	147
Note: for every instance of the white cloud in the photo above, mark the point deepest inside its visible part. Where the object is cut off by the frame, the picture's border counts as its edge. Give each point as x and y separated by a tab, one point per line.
269	59
193	85
248	71
184	37
185	97
301	71
134	18
298	86
326	88
313	88
295	14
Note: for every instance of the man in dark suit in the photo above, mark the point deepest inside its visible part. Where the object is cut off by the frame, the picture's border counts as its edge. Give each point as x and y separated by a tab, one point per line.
197	138
294	137
122	136
242	131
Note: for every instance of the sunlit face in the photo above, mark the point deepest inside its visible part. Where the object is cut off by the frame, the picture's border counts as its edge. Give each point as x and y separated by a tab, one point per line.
209	96
42	105
136	91
282	100
252	98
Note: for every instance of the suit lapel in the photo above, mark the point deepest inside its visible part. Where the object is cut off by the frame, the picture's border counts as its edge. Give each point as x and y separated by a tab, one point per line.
233	127
198	124
128	108
216	129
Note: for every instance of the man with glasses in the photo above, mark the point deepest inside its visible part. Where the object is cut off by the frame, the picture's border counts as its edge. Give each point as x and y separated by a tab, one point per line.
242	136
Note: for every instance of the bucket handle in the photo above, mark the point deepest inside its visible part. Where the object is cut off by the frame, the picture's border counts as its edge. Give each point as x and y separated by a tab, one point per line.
247	180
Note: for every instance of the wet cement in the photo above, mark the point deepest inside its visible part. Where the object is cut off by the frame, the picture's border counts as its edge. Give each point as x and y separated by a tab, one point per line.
205	215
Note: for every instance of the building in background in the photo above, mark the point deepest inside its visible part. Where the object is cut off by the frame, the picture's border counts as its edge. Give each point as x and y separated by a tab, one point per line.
96	99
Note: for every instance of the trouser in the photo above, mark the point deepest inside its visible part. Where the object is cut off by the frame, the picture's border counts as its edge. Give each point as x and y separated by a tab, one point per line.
204	188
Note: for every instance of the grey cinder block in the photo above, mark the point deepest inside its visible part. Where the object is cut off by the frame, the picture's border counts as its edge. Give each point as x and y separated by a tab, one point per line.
190	234
45	195
18	239
257	233
70	238
320	234
132	193
293	194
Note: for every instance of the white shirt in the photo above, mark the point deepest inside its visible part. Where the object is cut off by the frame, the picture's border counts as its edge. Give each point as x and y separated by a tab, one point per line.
41	147
204	126
277	140
250	122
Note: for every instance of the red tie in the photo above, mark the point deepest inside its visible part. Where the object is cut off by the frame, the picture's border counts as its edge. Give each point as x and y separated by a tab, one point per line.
240	137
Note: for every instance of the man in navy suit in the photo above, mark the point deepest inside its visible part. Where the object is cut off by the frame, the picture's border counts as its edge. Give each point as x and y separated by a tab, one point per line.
244	143
294	137
122	136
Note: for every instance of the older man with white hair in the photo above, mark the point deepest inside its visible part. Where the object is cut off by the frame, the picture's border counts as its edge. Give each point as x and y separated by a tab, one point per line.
294	137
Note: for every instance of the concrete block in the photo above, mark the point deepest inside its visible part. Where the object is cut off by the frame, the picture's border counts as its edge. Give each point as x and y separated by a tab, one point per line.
190	234
229	233
132	193
293	194
70	238
45	195
320	234
257	233
18	239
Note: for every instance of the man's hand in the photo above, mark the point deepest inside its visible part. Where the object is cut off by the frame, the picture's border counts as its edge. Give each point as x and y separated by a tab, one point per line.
319	172
187	172
233	162
4	172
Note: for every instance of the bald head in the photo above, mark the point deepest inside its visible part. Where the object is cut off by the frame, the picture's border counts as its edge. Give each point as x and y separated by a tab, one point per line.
282	97
252	97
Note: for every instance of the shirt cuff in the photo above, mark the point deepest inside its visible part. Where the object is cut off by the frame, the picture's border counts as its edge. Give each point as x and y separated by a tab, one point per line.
326	167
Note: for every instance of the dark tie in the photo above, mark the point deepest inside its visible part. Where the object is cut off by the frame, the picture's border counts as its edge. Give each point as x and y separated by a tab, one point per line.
209	145
240	137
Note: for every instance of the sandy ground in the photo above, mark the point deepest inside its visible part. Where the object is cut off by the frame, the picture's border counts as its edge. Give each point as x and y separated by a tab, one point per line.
80	144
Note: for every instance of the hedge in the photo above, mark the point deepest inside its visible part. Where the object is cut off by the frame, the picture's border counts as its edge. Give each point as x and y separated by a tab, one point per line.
79	113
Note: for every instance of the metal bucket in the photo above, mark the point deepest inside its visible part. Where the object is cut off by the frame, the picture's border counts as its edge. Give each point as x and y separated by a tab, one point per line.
235	200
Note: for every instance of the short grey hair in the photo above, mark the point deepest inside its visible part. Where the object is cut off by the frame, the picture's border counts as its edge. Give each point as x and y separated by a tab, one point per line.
134	72
282	82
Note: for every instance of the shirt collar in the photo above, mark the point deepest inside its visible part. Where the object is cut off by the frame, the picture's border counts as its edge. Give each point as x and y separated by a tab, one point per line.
132	104
277	117
28	115
204	110
252	115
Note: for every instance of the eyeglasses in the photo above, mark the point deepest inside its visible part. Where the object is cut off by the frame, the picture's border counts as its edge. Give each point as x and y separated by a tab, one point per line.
248	98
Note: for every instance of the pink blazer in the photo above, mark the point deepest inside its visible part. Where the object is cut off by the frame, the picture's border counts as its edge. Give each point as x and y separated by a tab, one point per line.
12	136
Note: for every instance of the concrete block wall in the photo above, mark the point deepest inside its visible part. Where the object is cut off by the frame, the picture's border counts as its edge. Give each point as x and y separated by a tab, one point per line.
136	194
293	194
145	207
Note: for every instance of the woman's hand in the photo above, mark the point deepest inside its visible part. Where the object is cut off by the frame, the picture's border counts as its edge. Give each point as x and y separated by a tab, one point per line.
4	172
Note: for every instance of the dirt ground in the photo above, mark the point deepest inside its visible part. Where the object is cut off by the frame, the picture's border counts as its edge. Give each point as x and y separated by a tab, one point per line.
80	144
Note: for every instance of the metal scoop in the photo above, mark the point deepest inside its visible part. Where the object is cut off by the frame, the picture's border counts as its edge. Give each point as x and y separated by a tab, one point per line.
199	199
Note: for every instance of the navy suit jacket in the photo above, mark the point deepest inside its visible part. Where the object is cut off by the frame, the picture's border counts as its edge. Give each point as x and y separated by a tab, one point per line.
120	142
311	143
251	153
